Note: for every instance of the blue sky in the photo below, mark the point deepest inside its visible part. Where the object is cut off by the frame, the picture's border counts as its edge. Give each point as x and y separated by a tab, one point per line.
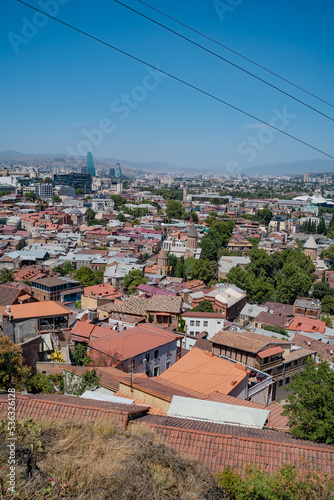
62	92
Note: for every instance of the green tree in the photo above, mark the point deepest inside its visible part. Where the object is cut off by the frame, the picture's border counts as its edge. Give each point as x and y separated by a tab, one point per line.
204	306
132	280
79	355
327	304
327	319
201	270
32	196
121	217
79	191
87	277
320	290
6	275
265	215
41	383
292	283
56	198
174	209
118	200
90	214
310	407
13	375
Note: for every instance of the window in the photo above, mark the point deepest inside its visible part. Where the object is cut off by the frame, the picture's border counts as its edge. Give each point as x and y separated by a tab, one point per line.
296	362
280	383
156	354
198	323
265	361
192	322
205	323
191	333
156	371
147	357
287	380
167	365
218	322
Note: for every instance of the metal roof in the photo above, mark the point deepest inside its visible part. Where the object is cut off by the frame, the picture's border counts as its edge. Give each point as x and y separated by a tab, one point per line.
197	409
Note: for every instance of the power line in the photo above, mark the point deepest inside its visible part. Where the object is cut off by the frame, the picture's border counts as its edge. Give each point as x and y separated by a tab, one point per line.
237	53
177	79
224	59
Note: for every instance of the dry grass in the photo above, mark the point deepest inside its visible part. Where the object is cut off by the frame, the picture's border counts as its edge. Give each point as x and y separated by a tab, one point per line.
100	461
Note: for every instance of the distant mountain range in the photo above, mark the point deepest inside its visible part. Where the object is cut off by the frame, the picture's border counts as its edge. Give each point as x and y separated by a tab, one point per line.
274	169
293	168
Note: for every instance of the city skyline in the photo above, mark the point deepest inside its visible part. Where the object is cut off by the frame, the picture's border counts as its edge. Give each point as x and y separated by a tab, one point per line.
78	96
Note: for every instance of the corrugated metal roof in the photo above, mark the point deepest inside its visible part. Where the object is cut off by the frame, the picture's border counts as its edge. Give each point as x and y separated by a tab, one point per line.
212	411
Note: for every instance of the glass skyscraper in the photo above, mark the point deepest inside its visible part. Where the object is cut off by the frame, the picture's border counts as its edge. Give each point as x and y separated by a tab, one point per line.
90	164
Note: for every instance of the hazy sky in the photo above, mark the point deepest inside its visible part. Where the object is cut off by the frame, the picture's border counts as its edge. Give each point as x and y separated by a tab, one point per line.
62	92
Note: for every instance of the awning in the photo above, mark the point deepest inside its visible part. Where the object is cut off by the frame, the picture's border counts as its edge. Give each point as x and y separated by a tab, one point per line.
270	352
161	314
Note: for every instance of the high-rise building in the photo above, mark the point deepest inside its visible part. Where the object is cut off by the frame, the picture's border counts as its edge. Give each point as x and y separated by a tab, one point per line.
90	164
112	172
118	171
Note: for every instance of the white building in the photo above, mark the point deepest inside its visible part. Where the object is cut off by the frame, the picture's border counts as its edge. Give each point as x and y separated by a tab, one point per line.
199	322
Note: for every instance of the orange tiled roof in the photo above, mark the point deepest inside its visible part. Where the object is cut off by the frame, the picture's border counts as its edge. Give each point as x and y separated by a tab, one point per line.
35	310
304	324
202	371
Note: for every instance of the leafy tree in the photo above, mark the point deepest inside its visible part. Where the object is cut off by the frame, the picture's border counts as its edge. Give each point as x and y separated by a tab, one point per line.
90	214
77	304
287	483
132	280
6	275
201	270
204	306
320	290
276	329
87	277
79	191
79	355
217	237
265	215
89	380
292	283
32	196
56	198
310	407
327	304
47	180
41	383
174	209
118	200
121	217
12	372
327	319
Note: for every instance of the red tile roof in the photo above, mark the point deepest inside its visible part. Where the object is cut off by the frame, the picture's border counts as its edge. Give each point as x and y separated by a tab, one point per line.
134	341
218	446
59	407
270	352
301	323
